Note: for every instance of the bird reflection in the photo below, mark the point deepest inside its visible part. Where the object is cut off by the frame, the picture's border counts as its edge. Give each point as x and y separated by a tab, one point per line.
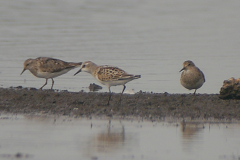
108	141
190	134
40	118
189	130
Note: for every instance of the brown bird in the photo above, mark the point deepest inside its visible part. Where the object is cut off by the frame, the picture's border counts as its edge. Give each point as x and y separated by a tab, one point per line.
108	75
44	67
192	77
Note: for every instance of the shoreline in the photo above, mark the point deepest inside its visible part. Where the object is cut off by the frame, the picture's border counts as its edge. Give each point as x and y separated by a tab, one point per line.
147	106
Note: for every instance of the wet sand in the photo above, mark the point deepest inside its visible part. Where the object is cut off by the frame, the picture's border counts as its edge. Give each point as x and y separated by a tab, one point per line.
150	106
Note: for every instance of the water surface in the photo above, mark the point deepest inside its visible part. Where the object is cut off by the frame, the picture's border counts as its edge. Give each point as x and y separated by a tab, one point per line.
47	137
152	38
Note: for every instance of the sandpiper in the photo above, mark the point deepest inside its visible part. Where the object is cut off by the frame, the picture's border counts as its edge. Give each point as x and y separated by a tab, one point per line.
45	67
192	77
108	75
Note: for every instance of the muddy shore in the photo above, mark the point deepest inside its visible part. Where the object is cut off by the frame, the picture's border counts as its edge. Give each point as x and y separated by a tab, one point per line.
151	106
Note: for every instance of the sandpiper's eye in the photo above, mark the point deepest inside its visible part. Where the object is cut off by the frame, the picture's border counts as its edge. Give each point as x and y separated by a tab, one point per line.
189	64
84	66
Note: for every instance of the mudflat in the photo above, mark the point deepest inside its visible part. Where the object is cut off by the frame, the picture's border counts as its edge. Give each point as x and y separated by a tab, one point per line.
151	106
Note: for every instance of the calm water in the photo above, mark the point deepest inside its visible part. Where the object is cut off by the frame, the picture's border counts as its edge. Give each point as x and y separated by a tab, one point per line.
66	138
151	38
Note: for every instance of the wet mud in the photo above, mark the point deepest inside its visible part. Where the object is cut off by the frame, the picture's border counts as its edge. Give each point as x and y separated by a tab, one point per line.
150	106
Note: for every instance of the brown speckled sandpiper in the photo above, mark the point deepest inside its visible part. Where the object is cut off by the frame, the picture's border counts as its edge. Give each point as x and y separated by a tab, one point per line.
44	67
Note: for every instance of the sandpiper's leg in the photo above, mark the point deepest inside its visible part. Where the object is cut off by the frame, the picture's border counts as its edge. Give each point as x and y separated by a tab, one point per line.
195	91
110	95
124	87
52	83
44	84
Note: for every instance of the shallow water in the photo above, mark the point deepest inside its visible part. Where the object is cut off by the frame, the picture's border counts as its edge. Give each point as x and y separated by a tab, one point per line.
151	38
45	137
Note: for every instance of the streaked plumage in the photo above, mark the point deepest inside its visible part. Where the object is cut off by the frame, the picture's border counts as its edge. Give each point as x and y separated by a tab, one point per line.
192	77
44	67
108	75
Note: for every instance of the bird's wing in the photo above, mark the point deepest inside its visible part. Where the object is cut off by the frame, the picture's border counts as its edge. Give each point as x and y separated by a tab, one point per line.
110	73
53	65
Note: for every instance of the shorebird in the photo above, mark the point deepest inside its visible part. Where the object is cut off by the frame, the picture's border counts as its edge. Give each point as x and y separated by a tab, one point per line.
192	77
108	75
44	67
